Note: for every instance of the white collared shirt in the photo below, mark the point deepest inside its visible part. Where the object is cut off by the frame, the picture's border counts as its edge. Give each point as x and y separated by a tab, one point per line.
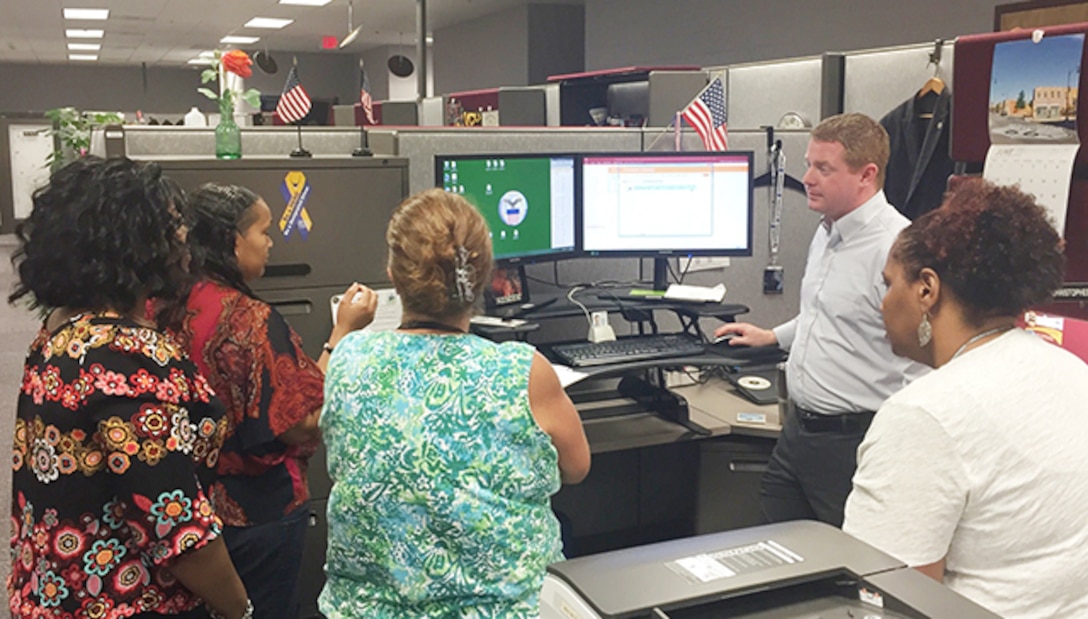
840	357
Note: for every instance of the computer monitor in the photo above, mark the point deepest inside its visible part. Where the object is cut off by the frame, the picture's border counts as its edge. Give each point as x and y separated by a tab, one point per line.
528	200
667	204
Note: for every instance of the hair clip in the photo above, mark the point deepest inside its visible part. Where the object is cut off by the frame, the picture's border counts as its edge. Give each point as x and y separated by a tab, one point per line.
463	275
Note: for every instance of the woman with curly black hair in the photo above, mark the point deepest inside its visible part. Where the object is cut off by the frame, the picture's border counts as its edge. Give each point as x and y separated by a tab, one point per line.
117	434
272	390
976	474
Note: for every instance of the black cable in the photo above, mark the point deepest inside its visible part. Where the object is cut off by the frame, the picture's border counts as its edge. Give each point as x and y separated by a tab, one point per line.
541	281
608	286
668	266
687	267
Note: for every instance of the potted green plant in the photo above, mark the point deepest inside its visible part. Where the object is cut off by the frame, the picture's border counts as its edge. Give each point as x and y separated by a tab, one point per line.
72	133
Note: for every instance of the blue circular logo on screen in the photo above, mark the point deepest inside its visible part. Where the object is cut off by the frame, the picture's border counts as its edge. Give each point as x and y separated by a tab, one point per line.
513	207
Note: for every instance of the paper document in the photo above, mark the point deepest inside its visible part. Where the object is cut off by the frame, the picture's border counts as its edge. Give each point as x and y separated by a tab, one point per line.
568	376
386	317
681	292
1044	171
495	321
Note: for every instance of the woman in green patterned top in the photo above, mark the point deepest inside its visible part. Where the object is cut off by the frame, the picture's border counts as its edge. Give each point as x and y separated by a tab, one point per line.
444	448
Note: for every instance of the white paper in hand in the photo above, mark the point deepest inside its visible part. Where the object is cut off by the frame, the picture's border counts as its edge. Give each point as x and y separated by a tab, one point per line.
386	317
567	375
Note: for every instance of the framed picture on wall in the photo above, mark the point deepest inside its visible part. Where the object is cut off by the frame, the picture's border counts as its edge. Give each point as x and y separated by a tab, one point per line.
1039	13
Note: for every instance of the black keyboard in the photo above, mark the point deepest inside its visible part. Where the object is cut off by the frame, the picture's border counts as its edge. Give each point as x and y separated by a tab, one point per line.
629	349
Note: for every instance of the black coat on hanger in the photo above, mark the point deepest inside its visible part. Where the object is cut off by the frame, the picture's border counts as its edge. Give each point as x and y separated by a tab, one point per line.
920	164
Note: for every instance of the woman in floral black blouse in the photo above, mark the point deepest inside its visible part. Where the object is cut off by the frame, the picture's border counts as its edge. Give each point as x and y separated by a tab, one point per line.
117	433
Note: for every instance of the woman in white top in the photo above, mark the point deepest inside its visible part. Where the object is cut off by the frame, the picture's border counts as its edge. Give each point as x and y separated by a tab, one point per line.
977	474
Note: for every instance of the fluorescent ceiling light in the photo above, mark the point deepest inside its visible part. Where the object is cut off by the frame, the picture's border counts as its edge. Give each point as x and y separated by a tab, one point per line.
84	47
200	61
207	54
268	22
82	56
77	33
354	34
239	40
86	13
306	2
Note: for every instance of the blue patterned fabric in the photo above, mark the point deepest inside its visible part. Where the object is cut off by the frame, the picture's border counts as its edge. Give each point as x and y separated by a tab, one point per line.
440	505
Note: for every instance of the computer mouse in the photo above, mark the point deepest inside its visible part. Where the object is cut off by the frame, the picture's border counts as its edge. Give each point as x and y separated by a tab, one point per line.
724	338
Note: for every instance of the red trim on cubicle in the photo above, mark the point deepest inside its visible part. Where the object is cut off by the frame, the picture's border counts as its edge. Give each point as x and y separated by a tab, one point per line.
619	71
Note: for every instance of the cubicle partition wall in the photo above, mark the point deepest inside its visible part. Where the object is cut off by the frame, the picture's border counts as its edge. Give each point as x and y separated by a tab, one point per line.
329	216
419	146
876	81
761	94
158	142
25	144
523	106
671	92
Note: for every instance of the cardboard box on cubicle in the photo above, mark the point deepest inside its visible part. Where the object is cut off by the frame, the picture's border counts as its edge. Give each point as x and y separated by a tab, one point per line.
1069	333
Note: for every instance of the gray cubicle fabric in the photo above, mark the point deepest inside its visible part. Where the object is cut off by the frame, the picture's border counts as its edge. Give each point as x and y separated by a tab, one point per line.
153	142
420	146
760	94
670	92
876	81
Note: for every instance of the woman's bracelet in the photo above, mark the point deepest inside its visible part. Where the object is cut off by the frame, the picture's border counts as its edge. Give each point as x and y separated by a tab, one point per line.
248	614
327	347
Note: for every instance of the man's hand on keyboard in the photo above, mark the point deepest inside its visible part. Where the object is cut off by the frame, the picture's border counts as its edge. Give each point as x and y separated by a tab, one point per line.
745	334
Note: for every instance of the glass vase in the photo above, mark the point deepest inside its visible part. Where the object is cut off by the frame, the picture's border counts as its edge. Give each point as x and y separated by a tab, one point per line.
228	138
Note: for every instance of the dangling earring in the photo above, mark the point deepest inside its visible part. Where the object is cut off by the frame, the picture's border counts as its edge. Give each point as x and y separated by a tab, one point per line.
925	330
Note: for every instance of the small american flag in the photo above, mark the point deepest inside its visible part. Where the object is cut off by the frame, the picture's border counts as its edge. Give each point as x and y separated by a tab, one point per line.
364	97
294	103
707	115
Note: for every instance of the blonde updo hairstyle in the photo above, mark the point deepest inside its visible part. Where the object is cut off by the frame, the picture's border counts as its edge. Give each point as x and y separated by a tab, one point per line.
439	254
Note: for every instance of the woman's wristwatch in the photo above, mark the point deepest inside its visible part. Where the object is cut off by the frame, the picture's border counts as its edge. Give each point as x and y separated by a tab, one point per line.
248	614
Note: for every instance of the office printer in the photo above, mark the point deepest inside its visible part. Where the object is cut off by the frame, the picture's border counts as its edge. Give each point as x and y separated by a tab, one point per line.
799	569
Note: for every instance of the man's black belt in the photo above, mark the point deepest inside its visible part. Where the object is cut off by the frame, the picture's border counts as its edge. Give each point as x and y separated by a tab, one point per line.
840	422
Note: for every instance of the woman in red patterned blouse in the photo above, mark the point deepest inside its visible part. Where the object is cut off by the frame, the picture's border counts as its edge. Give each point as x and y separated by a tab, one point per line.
117	433
273	391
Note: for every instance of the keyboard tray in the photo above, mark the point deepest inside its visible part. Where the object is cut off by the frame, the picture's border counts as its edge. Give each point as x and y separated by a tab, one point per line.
629	350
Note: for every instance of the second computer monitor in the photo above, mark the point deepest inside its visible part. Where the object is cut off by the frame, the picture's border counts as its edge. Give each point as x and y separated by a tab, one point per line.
528	201
667	204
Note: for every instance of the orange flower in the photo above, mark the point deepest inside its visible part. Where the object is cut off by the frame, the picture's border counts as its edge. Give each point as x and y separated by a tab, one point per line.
238	62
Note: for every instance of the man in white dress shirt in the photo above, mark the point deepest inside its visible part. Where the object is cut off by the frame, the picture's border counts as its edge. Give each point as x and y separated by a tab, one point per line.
841	365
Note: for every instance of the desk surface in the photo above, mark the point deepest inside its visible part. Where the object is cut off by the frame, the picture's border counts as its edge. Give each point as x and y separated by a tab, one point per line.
714	406
719	399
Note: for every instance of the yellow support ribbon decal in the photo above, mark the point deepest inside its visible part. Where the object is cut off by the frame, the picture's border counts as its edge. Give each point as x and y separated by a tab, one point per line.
295	191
